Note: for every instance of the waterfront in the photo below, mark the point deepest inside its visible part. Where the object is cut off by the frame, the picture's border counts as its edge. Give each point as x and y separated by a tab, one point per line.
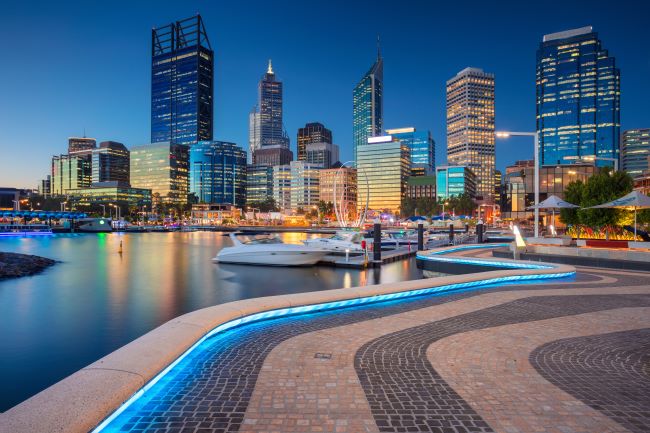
97	300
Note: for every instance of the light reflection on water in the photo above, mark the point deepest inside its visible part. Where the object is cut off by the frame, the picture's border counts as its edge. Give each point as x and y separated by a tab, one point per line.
97	300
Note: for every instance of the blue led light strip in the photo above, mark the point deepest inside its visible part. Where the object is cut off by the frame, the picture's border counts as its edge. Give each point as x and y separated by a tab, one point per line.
25	234
292	311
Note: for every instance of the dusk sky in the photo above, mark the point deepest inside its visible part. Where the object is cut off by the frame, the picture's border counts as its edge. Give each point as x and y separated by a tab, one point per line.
70	66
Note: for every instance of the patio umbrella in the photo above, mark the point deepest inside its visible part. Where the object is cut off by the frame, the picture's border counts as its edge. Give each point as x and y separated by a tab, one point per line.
632	201
552	203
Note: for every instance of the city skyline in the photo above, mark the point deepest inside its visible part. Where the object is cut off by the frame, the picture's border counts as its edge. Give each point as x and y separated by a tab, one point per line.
404	103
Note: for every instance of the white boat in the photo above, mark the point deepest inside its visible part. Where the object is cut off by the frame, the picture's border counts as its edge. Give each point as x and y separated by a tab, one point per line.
343	240
94	225
268	251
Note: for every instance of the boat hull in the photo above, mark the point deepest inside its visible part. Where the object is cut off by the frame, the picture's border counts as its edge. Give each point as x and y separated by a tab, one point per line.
267	258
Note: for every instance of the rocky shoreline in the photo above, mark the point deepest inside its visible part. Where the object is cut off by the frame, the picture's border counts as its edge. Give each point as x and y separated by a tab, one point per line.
13	265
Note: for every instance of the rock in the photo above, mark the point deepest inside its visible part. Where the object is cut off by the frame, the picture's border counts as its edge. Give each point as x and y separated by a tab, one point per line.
14	265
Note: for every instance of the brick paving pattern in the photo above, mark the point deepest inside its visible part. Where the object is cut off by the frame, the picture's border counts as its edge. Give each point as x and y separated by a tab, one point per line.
608	372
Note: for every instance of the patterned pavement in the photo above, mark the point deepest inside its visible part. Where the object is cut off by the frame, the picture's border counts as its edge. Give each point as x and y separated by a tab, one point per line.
366	369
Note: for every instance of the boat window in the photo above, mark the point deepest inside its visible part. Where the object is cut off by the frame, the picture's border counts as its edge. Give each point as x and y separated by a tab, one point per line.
260	240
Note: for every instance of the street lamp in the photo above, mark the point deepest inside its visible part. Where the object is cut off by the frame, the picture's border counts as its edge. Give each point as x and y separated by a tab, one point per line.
593	158
535	135
103	210
16	204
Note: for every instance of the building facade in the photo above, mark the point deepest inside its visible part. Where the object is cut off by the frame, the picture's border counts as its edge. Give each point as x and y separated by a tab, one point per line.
305	179
182	81
383	167
69	172
259	184
314	132
162	168
266	127
323	155
470	127
368	106
218	173
111	162
421	187
454	181
635	151
272	156
282	187
423	153
113	192
81	145
578	99
345	179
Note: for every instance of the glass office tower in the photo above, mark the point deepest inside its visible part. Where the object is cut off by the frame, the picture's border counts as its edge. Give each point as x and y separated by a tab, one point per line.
69	172
111	162
266	127
635	151
162	168
455	181
470	127
259	184
368	106
218	172
314	132
578	99
423	155
182	75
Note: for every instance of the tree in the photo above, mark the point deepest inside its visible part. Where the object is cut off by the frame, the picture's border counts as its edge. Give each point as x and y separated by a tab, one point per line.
267	205
573	194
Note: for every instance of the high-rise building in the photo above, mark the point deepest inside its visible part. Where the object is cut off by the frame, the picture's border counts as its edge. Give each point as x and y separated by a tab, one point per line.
282	186
635	151
423	153
81	145
111	162
314	132
162	168
454	181
368	106
384	165
578	99
470	127
498	179
69	172
259	184
345	179
304	185
218	173
182	80
272	156
45	185
323	155
421	187
266	117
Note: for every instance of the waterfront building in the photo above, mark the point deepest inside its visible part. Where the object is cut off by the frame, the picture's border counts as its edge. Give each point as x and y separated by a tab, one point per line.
81	145
368	105
345	179
218	172
111	162
272	156
112	192
45	185
69	172
314	132
213	214
182	80
518	187
642	183
282	187
423	154
162	168
304	185
259	184
323	155
578	98
383	166
635	151
454	181
421	187
9	198
266	119
470	127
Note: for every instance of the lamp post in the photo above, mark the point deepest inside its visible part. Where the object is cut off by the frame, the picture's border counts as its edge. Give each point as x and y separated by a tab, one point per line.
103	210
535	135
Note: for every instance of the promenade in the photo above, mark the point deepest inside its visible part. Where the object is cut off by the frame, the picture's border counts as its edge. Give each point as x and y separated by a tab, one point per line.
556	356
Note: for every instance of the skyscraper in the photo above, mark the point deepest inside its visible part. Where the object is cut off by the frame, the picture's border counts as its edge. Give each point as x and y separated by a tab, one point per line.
635	151
266	117
82	145
111	163
218	172
182	75
578	98
368	105
162	168
470	127
314	132
323	155
423	152
69	172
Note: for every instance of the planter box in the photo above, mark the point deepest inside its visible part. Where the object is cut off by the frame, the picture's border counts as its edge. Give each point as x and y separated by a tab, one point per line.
601	243
563	241
639	245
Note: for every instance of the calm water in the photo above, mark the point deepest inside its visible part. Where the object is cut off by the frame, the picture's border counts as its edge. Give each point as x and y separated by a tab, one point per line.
97	300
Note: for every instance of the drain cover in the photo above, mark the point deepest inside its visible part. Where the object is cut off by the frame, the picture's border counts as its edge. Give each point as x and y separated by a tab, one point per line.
319	355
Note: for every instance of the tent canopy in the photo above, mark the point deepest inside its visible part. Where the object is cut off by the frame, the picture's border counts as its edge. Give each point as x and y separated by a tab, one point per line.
632	201
554	202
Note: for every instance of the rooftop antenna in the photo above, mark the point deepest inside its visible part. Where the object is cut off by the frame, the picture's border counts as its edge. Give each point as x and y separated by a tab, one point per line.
270	69
84	132
378	48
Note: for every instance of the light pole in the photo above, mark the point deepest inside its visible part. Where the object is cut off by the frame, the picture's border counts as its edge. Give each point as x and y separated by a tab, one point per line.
103	210
593	158
16	204
535	135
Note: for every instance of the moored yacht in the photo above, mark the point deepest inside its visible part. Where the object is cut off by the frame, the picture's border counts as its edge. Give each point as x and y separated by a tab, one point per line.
343	240
94	225
268	251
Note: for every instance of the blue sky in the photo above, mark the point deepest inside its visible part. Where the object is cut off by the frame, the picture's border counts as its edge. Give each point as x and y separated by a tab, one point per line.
70	66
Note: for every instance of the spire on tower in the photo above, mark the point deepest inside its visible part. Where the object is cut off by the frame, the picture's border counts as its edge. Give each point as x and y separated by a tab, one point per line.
270	69
378	48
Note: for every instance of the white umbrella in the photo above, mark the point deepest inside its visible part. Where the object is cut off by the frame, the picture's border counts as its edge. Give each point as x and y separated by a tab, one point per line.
632	201
552	203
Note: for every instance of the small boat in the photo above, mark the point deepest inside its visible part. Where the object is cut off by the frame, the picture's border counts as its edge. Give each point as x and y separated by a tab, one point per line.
136	229
268	251
343	240
94	225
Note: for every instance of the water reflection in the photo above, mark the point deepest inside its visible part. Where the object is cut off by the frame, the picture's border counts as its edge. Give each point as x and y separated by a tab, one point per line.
97	300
